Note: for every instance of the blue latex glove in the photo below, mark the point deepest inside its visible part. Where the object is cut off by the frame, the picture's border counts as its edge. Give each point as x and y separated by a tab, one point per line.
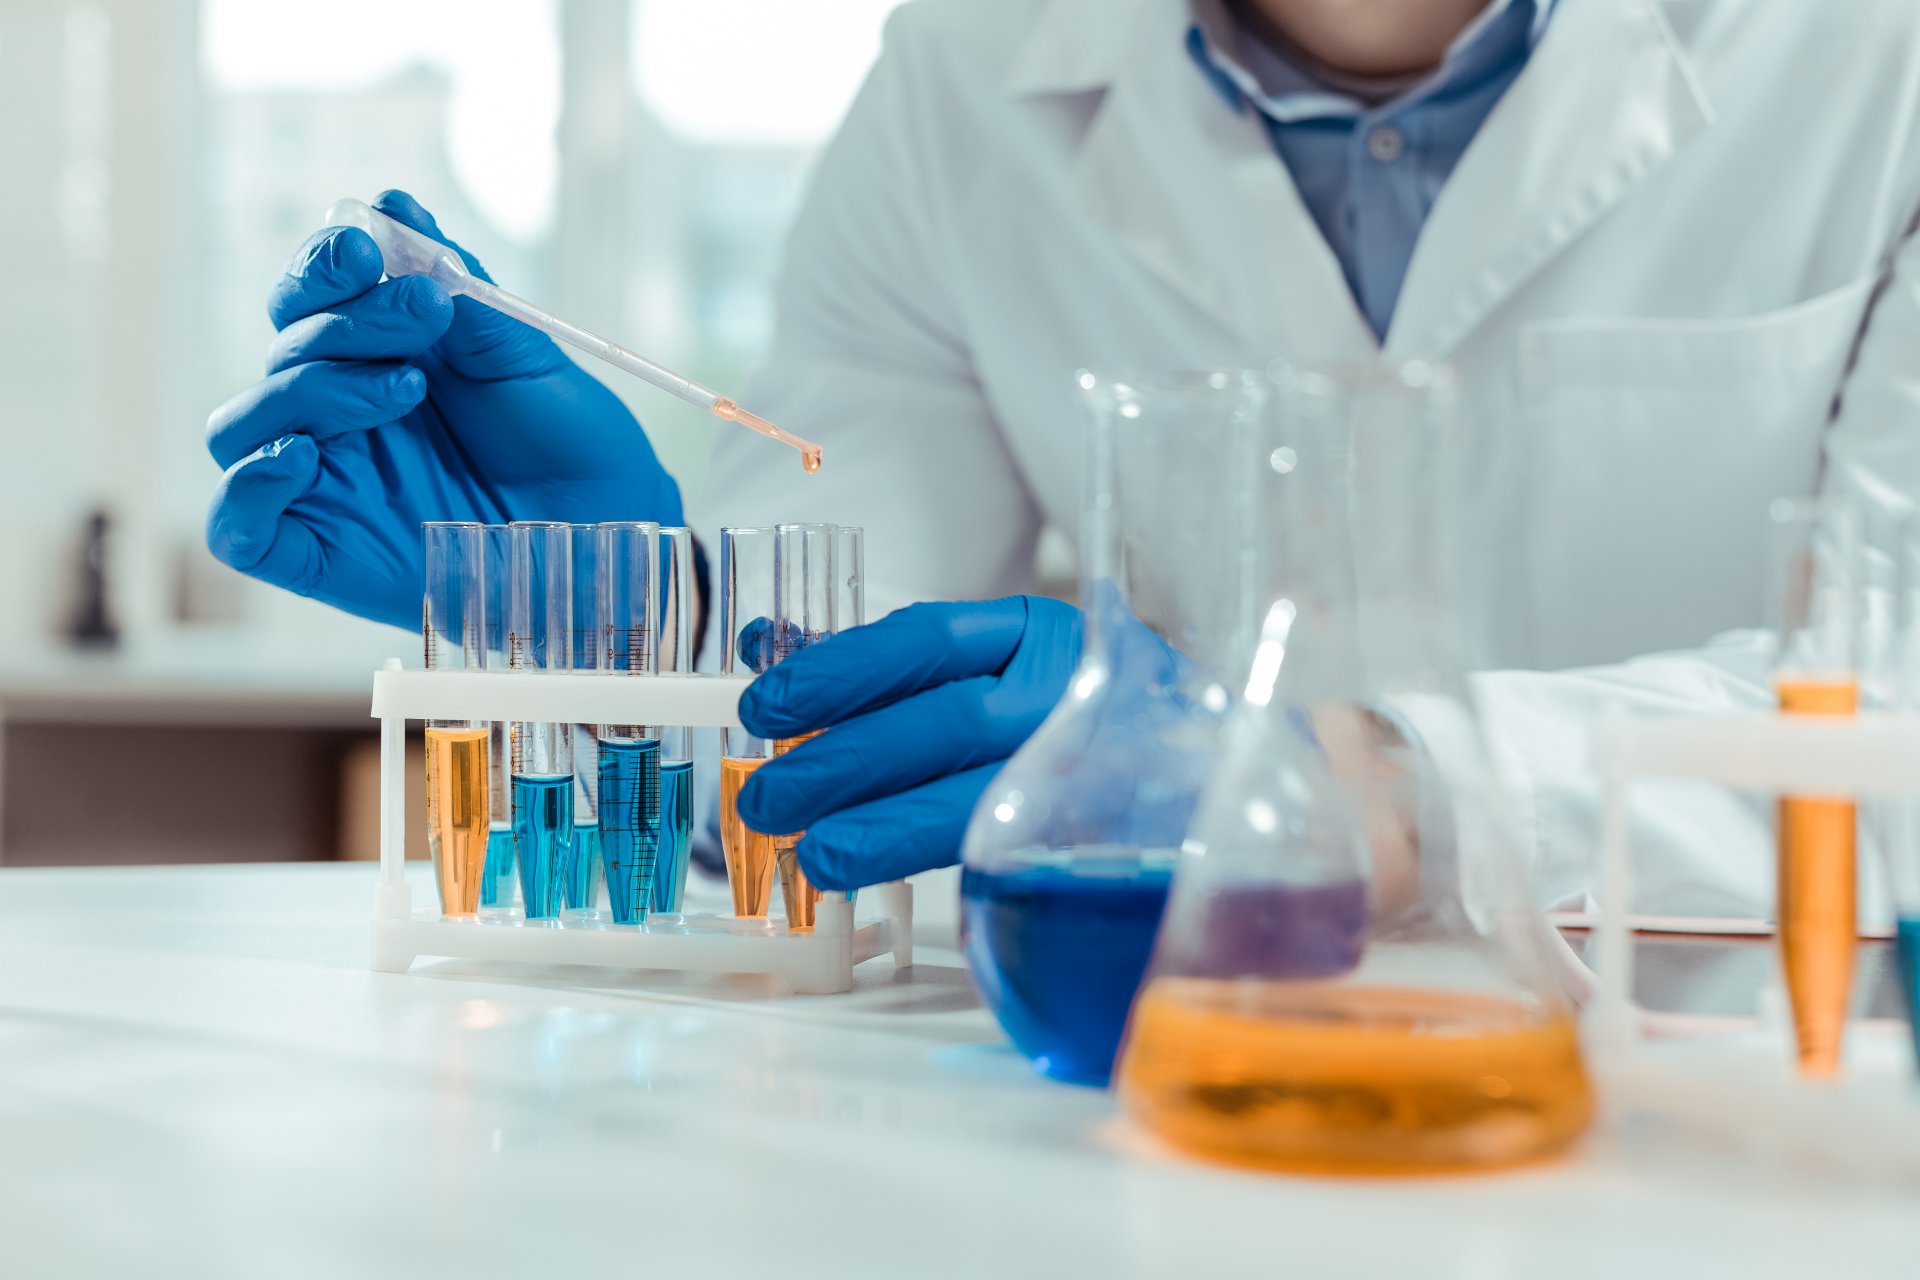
388	403
923	708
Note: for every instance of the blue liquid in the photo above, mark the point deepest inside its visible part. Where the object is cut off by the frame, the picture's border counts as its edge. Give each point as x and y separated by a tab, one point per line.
496	878
1058	953
583	868
542	840
630	824
676	835
1907	943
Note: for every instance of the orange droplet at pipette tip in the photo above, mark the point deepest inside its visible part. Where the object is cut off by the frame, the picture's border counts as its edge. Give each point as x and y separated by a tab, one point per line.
809	451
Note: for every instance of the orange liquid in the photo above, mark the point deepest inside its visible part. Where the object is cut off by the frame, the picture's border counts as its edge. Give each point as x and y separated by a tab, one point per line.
1334	1078
799	896
750	855
458	804
1817	896
809	451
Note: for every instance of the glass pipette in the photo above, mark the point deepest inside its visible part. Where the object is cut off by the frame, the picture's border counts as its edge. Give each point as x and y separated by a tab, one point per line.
406	252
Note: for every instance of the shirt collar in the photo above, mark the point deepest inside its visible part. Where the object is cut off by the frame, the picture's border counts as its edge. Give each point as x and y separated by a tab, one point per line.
1244	70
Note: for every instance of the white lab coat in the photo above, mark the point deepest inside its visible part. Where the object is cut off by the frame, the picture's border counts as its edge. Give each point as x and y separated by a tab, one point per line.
1676	270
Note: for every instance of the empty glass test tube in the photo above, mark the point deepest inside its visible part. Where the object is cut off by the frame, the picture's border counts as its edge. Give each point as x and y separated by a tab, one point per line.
1813	604
629	753
540	639
499	888
746	631
582	889
452	628
673	636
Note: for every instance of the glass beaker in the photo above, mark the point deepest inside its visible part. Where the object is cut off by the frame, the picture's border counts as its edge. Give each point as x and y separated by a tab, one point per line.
1816	671
1067	860
1413	1025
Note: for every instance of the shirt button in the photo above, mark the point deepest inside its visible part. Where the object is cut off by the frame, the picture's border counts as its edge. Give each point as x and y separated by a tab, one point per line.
1386	143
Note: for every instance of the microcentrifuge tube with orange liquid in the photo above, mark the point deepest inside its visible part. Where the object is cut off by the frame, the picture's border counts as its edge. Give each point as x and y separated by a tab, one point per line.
1817	895
1813	574
749	855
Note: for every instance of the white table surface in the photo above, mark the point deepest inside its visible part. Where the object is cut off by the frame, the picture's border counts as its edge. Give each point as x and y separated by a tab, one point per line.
198	1076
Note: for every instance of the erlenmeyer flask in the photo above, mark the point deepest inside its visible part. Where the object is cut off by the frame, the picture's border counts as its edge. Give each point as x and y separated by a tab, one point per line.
1442	1041
1071	849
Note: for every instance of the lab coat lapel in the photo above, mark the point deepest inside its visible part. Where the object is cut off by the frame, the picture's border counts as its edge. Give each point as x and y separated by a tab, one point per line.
1607	98
1196	192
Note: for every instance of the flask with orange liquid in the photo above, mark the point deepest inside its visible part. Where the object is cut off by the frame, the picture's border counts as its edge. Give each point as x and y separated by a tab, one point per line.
1350	976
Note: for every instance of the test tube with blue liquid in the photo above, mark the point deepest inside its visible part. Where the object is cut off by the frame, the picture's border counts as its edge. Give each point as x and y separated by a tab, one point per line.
499	888
1898	817
452	626
629	769
674	644
540	639
583	871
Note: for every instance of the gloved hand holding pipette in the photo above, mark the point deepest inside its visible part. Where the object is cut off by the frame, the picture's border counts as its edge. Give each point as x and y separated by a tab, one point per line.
388	403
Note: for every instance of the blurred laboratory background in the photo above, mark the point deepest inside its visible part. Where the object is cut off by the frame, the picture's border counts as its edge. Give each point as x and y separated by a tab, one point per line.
155	705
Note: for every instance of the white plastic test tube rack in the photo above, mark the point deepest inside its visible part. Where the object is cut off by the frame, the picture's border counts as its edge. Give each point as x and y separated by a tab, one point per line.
815	962
1743	1094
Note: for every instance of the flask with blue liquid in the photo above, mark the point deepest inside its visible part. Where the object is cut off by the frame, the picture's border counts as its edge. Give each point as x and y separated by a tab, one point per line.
1071	850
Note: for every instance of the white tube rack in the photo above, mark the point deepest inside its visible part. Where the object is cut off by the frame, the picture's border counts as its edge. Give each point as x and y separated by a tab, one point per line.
819	961
1741	1088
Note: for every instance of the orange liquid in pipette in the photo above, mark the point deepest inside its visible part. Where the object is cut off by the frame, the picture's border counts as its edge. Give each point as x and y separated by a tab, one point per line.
1333	1078
796	892
458	805
1817	896
749	855
809	451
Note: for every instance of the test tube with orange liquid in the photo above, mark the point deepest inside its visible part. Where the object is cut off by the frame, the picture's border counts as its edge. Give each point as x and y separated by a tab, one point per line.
1814	613
453	628
746	621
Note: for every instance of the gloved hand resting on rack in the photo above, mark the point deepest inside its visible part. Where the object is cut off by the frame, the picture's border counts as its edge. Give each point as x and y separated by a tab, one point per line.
923	707
386	403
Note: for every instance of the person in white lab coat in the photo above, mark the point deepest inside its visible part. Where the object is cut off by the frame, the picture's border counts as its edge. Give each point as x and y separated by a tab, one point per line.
1668	244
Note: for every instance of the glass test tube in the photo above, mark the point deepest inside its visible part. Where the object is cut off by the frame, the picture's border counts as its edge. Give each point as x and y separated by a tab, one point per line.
802	615
746	630
453	625
1816	672
499	888
582	888
849	589
540	639
629	753
673	638
1899	816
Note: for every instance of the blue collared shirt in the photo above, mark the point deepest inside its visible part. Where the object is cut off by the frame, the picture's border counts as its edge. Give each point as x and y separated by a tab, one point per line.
1370	172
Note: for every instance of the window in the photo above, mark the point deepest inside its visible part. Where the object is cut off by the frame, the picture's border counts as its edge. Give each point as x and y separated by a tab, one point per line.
632	164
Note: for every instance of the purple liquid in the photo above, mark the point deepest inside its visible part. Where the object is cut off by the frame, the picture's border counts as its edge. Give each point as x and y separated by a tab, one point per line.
1273	931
